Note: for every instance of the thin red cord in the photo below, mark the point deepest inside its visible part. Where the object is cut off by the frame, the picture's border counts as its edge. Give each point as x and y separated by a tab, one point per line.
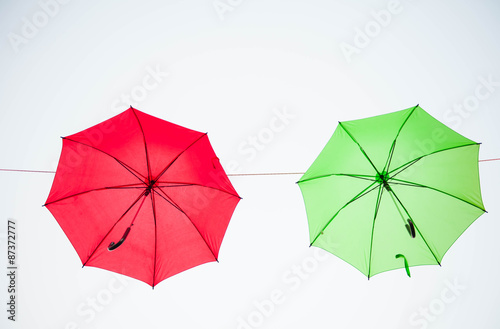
244	174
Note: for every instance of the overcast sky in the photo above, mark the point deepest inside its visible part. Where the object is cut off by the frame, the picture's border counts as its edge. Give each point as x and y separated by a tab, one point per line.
268	80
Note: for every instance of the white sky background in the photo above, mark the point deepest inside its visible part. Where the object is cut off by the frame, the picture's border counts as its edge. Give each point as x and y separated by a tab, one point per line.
229	74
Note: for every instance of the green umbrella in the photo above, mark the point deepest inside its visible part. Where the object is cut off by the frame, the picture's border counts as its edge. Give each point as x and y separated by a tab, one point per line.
392	191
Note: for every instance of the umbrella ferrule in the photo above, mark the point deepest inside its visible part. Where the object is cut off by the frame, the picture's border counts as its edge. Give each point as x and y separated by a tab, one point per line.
382	178
149	188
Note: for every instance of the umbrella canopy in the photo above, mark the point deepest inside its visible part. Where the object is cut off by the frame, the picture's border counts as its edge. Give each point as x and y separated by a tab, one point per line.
141	196
392	191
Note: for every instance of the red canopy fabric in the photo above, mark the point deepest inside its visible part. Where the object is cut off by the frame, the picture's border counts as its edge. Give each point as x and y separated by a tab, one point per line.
159	182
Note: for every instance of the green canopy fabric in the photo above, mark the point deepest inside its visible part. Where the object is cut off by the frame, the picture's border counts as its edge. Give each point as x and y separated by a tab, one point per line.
392	191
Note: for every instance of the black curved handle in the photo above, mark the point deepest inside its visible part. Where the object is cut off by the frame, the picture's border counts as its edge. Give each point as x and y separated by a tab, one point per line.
411	228
112	246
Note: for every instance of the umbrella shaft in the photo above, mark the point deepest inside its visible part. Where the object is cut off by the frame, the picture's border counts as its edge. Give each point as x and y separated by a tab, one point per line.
387	187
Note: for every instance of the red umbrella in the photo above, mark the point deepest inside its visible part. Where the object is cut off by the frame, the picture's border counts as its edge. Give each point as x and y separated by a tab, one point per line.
141	196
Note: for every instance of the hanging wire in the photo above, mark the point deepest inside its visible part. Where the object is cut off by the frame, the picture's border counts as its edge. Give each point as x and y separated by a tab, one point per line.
489	160
235	174
268	174
26	170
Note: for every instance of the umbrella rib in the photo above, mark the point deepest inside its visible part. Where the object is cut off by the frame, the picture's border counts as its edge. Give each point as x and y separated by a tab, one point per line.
126	186
366	177
357	197
402	184
360	147
153	204
425	155
112	227
391	152
176	206
401	169
179	184
377	206
412	184
145	144
178	155
130	169
416	227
